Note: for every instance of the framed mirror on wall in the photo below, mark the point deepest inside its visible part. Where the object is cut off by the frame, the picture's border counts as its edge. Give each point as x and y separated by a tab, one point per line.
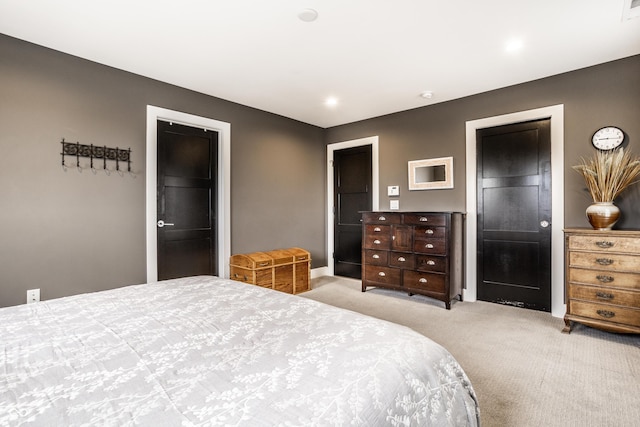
431	174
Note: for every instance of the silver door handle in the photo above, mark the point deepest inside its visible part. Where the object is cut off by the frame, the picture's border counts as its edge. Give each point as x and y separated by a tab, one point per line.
161	224
544	224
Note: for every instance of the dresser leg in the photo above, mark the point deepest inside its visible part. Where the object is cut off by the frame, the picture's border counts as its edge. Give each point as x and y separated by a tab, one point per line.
567	326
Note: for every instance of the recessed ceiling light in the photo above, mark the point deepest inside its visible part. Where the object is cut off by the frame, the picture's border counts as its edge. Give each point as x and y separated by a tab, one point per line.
332	101
513	45
308	15
427	94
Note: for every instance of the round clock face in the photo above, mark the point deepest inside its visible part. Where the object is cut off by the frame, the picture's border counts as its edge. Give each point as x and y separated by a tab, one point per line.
607	138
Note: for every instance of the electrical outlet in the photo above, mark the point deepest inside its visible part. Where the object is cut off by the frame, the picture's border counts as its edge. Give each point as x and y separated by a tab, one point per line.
33	295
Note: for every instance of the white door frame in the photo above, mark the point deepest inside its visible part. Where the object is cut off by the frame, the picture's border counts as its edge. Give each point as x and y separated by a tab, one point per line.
375	193
224	184
556	114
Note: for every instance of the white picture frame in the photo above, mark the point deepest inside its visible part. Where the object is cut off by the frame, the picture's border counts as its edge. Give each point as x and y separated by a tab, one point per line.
431	174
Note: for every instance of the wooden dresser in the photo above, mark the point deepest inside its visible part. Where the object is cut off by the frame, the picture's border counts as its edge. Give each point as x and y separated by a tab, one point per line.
415	252
602	278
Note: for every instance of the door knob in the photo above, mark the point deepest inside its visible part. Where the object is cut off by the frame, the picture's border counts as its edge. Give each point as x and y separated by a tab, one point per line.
161	224
544	224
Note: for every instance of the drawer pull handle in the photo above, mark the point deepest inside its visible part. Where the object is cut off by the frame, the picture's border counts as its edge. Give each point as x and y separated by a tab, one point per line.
376	242
377	229
603	295
302	258
604	244
422	280
381	218
604	261
604	279
606	313
381	274
431	262
401	259
236	275
376	256
263	264
429	231
423	219
429	246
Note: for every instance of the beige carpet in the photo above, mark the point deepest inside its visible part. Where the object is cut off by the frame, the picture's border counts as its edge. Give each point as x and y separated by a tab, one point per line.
523	369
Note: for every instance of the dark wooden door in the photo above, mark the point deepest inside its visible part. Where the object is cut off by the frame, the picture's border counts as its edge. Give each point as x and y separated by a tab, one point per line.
514	214
352	195
186	198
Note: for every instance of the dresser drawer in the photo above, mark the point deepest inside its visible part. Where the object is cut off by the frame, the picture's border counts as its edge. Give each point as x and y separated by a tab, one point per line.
381	218
604	278
374	257
606	312
402	260
424	281
376	241
604	261
430	246
605	295
377	229
383	275
425	219
431	263
430	232
604	243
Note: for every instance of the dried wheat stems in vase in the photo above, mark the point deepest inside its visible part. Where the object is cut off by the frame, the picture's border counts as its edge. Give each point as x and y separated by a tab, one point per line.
609	173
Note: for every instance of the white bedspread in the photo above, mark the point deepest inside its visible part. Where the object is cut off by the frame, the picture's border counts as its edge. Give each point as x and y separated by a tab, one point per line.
203	351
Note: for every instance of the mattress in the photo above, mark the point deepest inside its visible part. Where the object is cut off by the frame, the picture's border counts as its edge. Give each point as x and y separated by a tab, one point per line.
205	351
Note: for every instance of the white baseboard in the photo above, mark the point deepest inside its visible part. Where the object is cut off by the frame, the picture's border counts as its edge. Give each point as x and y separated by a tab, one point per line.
319	272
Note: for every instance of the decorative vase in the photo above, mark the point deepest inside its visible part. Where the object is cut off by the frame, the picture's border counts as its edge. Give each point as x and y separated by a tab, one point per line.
602	215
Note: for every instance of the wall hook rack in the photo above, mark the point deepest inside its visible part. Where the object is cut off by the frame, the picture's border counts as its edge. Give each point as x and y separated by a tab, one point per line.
95	152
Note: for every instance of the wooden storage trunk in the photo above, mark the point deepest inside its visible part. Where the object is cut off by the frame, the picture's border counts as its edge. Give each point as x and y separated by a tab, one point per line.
285	270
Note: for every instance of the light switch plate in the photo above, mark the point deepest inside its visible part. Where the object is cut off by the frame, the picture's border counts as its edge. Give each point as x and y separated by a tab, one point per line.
394	204
393	190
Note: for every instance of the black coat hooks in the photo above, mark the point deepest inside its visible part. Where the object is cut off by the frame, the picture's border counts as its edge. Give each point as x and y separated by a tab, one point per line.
97	155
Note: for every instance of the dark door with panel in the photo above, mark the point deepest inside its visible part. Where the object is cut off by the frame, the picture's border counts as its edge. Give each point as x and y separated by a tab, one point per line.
186	198
352	195
514	214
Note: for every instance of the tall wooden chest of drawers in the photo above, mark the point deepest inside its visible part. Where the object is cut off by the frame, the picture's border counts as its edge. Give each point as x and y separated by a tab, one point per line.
602	279
286	270
415	252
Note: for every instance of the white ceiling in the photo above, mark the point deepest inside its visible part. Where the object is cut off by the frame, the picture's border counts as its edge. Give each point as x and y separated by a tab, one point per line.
374	56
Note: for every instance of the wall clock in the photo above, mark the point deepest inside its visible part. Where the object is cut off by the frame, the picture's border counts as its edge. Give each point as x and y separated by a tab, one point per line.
607	138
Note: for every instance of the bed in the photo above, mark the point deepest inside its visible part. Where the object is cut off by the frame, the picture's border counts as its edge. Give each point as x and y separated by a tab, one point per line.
205	351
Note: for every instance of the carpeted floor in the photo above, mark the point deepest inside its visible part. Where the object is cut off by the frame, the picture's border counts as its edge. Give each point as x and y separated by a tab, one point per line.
523	369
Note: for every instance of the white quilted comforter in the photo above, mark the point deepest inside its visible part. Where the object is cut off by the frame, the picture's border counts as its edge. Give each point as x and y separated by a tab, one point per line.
204	351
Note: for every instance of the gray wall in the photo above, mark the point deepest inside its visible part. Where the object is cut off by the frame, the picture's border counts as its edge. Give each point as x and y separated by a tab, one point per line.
70	232
607	94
